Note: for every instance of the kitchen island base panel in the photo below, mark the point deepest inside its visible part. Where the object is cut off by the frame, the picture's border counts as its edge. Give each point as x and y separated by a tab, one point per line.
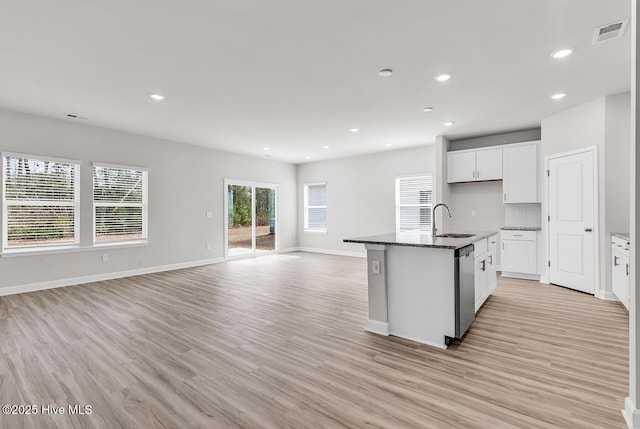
376	327
378	322
421	300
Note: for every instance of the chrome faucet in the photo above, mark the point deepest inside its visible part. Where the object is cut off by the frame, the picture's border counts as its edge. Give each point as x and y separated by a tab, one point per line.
433	218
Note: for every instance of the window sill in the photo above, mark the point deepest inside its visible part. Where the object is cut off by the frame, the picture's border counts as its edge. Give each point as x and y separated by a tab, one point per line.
70	249
316	231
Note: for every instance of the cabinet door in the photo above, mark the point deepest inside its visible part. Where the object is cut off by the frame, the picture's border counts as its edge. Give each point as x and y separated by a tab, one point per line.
519	256
489	164
461	166
492	280
619	276
480	274
520	174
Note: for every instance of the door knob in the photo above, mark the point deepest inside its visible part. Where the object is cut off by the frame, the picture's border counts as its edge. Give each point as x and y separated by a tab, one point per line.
588	230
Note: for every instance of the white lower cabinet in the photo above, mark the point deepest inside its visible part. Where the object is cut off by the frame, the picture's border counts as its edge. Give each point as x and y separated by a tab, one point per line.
620	269
485	270
519	250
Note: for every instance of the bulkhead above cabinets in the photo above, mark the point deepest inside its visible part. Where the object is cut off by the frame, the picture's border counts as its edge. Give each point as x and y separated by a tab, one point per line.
517	165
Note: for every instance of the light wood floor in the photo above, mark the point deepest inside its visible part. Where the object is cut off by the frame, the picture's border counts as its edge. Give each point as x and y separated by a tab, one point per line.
278	342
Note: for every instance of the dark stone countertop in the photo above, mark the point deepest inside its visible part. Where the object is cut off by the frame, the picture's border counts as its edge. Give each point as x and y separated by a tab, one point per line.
412	239
521	228
623	235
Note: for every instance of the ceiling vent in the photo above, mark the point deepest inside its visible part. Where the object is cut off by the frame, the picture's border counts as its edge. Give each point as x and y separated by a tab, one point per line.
610	31
72	116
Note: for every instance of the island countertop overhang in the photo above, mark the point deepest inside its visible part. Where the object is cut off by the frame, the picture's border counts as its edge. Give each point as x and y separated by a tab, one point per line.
411	239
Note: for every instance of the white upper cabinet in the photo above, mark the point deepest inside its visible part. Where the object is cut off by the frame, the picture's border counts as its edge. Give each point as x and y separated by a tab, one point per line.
489	164
461	166
520	173
475	165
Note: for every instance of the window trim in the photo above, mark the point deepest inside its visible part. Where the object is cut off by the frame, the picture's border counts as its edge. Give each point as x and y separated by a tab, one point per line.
76	204
144	205
397	180
306	209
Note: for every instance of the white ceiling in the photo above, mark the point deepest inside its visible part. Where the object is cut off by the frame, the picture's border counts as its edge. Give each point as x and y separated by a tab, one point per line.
295	75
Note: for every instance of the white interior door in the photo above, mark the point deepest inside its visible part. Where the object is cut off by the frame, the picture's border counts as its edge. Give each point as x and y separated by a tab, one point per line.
572	221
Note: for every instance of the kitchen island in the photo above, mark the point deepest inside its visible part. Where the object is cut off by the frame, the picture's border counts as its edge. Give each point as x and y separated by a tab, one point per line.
426	288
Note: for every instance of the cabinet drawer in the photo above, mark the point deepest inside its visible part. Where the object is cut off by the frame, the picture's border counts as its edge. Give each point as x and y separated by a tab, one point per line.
492	241
518	235
479	247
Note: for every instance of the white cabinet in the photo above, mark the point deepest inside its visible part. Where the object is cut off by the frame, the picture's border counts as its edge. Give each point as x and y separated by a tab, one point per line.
485	271
620	269
520	173
475	165
519	253
489	163
461	166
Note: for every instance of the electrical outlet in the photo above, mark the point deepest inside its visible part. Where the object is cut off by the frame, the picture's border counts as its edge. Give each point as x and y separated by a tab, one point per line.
518	213
375	266
208	246
105	257
209	215
473	213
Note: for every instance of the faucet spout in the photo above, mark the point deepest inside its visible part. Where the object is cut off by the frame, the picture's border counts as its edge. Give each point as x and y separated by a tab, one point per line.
434	230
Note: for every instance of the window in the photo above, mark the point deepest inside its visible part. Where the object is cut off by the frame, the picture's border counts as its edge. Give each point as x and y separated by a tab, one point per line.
40	202
414	199
119	203
315	207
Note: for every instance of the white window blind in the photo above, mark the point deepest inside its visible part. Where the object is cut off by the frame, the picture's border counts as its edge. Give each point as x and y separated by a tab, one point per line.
119	203
414	199
315	207
41	201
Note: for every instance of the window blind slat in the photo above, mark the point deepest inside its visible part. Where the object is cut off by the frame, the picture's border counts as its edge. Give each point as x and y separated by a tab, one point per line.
414	199
315	210
119	200
41	202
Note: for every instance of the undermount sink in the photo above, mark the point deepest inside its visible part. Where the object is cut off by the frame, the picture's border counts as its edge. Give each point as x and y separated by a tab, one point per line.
454	235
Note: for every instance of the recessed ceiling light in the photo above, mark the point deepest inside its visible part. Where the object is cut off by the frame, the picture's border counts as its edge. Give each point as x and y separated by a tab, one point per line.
428	109
354	130
562	53
325	147
307	157
558	96
389	144
443	77
385	72
157	97
448	123
266	148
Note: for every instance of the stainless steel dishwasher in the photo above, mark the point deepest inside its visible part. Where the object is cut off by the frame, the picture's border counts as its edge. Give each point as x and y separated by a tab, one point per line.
464	289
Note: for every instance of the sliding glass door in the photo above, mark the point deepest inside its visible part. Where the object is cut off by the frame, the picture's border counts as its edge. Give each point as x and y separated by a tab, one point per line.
265	232
251	218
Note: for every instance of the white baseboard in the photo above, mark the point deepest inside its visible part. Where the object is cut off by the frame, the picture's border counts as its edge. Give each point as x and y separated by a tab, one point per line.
325	251
607	295
631	414
32	287
521	276
544	279
377	327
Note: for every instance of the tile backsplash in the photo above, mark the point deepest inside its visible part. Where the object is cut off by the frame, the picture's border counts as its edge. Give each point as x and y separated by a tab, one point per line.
522	215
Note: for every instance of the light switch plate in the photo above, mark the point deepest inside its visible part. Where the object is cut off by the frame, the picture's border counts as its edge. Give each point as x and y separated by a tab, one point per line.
375	266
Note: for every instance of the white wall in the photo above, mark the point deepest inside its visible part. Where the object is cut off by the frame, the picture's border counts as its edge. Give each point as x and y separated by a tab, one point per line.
360	194
604	123
184	183
617	167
